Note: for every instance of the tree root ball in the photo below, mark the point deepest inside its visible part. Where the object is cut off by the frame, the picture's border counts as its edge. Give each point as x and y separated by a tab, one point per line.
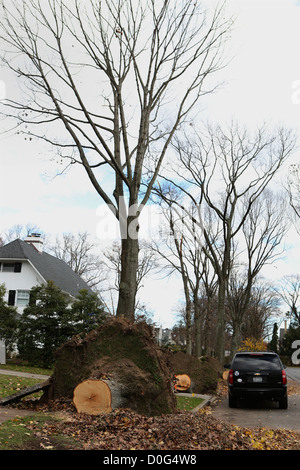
124	356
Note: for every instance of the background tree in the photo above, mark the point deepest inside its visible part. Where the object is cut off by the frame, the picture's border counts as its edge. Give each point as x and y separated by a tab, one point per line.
293	189
263	232
289	291
226	170
98	79
80	254
262	308
49	321
273	346
86	313
8	322
181	253
44	325
21	231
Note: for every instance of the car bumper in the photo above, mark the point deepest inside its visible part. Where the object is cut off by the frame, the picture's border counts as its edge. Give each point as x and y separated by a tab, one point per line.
263	393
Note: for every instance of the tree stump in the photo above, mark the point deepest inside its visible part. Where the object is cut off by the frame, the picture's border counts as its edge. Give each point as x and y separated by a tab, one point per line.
92	397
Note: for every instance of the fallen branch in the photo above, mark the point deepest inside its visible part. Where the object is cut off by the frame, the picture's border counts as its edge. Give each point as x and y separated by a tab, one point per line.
23	393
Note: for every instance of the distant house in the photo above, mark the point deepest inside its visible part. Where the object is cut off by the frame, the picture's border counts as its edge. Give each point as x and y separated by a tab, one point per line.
24	264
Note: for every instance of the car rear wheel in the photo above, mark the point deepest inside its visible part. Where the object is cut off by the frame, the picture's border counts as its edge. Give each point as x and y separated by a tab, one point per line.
283	404
232	401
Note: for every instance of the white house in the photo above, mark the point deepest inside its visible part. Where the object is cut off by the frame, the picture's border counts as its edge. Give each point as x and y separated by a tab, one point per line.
24	264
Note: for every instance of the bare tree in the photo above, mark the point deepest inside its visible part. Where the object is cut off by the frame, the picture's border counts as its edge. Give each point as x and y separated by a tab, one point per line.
107	83
223	169
263	233
80	254
180	252
289	291
262	308
22	231
293	189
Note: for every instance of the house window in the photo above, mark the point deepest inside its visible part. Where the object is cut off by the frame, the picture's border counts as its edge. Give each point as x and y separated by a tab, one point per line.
22	298
11	267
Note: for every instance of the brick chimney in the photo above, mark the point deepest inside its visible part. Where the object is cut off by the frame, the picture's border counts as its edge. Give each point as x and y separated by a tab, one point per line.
35	240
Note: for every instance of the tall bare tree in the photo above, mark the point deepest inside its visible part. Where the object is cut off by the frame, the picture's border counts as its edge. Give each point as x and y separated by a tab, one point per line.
180	252
263	234
221	169
107	83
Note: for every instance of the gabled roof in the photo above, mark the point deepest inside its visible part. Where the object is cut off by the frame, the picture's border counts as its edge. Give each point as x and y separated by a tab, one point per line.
49	267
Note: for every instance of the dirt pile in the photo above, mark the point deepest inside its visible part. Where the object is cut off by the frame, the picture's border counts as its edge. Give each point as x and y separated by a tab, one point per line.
127	358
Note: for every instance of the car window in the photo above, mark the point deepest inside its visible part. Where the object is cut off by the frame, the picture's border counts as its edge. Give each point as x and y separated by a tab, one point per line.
256	362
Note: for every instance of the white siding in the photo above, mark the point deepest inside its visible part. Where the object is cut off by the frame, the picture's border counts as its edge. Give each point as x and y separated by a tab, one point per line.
24	281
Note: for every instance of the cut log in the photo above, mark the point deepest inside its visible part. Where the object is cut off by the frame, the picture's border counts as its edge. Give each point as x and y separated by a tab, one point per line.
182	382
92	397
23	393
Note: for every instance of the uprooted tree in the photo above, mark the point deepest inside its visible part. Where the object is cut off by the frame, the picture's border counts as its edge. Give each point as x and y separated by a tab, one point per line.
116	365
108	83
120	365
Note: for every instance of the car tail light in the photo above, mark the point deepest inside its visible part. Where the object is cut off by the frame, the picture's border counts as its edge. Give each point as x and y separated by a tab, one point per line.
284	380
230	376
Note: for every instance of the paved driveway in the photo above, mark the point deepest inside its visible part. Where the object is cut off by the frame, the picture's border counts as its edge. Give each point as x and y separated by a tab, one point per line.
263	414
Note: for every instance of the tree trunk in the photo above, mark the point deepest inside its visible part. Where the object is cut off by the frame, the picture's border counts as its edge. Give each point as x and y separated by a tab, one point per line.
220	346
128	276
198	334
236	338
188	322
92	397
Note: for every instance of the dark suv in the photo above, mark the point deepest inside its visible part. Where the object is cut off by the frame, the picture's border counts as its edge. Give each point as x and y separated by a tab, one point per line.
258	375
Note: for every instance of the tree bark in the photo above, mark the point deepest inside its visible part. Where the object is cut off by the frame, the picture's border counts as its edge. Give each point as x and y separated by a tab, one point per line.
220	344
128	276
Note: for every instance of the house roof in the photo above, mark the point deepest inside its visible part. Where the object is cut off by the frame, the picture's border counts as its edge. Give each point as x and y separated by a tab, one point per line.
49	267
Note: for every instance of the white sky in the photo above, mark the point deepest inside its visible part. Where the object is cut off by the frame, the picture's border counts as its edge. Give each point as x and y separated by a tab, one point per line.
262	83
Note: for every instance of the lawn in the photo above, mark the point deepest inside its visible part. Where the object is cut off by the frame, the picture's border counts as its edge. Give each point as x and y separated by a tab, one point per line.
10	384
185	403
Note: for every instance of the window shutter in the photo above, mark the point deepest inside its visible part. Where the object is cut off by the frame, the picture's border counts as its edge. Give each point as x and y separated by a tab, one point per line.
11	297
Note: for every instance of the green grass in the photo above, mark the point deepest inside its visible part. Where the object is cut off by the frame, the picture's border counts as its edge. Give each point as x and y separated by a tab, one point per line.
10	384
24	368
34	433
187	403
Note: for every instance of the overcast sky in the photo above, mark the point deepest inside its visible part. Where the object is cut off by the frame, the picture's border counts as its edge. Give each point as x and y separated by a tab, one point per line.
261	83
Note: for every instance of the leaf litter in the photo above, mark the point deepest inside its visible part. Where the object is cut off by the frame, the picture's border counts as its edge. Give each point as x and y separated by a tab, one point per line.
124	429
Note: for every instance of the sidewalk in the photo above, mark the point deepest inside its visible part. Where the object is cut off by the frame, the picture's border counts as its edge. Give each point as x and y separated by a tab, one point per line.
23	374
7	413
